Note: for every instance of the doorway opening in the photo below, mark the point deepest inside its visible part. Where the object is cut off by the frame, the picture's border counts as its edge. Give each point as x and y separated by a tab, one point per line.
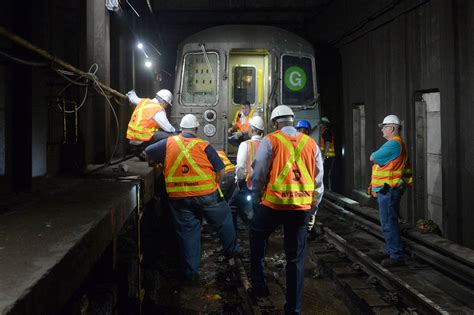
428	157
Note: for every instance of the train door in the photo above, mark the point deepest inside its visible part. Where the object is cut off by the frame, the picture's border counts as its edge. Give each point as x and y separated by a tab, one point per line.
248	80
429	181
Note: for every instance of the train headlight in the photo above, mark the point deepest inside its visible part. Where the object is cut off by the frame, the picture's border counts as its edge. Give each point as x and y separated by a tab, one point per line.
209	130
210	115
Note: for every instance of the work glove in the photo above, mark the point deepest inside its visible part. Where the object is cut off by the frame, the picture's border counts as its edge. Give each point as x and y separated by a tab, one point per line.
131	93
234	136
312	220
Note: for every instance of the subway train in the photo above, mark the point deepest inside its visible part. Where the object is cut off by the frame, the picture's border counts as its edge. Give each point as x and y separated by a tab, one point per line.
219	68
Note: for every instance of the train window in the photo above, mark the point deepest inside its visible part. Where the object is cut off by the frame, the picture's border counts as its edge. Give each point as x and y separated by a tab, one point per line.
297	86
244	84
199	85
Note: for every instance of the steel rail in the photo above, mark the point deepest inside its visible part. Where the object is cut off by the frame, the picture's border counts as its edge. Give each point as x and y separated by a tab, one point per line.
437	259
388	279
463	255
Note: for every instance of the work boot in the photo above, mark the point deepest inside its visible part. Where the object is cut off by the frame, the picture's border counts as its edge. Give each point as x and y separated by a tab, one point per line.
390	262
142	156
259	291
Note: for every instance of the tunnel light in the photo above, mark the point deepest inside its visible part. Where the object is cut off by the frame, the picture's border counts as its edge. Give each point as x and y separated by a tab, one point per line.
140	46
112	5
148	64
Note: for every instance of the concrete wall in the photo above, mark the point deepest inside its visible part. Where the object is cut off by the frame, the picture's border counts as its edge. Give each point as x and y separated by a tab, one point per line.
464	68
411	47
2	120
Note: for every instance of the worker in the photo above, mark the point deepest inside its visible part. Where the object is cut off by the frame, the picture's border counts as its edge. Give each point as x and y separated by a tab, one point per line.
149	123
240	125
240	204
287	182
303	126
326	143
391	174
227	183
192	171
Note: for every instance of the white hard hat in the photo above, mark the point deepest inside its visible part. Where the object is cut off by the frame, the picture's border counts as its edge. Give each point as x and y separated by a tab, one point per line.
189	121
257	122
325	120
165	95
280	111
390	120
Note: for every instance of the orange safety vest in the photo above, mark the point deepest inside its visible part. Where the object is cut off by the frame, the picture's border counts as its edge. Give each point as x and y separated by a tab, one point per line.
292	172
394	173
252	147
331	152
142	126
245	126
187	169
229	167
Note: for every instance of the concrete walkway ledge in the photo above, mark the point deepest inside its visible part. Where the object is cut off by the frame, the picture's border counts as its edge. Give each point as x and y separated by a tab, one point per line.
50	242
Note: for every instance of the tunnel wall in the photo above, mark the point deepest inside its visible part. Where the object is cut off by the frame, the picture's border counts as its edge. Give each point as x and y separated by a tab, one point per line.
412	47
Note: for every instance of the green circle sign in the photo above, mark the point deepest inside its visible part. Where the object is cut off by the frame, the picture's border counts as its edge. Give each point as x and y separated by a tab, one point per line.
295	78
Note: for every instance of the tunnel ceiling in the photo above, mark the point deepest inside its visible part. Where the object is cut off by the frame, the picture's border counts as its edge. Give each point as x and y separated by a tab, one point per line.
319	21
292	15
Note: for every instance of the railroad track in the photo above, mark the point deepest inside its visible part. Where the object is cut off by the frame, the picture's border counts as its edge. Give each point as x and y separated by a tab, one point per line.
348	249
432	282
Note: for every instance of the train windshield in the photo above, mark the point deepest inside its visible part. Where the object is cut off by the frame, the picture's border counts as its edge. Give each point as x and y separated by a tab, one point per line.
199	85
297	87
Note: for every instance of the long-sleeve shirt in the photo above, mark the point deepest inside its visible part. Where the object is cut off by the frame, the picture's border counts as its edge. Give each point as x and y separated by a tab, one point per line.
263	160
242	159
159	117
157	152
389	151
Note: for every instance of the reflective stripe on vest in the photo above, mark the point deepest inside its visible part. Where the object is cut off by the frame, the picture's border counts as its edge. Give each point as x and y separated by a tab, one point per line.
298	193
142	126
183	176
245	126
331	152
395	173
229	167
252	147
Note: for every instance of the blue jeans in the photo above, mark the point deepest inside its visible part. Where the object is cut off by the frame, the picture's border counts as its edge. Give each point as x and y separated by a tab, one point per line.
187	216
264	222
240	205
327	178
389	209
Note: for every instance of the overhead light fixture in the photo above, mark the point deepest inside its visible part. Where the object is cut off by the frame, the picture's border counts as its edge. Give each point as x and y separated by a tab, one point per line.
140	46
148	64
112	5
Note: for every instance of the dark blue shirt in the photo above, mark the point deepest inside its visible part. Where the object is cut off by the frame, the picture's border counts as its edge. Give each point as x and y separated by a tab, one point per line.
157	152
